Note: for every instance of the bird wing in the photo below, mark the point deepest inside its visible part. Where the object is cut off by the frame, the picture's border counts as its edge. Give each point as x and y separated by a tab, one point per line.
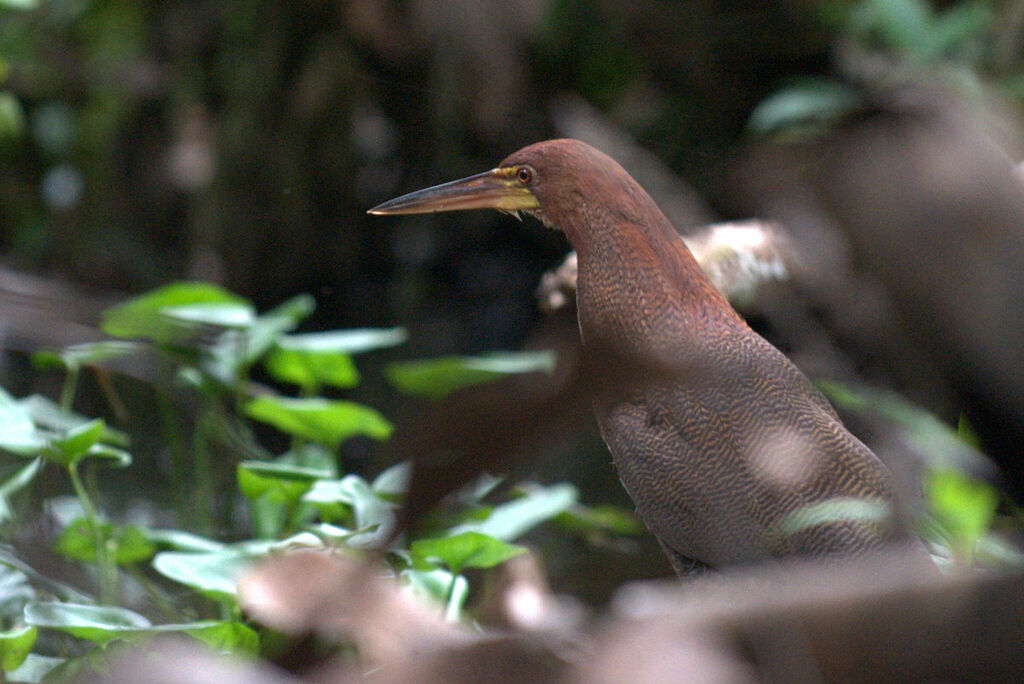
716	462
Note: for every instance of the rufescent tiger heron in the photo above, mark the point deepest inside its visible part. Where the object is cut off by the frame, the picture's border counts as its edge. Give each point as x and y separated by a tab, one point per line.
728	451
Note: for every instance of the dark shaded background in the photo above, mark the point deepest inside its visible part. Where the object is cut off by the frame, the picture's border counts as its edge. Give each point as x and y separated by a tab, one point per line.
242	142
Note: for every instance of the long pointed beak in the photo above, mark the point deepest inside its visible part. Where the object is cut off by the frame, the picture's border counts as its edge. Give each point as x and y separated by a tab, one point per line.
494	189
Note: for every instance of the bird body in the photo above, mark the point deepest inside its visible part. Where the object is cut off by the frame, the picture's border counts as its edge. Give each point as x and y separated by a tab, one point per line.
728	451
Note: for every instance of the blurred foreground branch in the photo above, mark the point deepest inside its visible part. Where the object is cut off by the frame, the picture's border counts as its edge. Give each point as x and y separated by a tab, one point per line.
863	620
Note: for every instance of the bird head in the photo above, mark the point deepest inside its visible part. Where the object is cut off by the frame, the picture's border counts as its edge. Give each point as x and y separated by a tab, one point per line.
551	180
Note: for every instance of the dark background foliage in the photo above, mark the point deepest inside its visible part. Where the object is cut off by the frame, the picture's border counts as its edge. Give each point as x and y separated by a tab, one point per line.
241	143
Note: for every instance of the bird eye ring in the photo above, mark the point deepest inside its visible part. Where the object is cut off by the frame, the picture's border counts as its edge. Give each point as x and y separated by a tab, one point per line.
525	175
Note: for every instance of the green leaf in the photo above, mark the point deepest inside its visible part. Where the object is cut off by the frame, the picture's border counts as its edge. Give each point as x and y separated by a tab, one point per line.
611	519
354	341
15	645
98	624
268	328
834	510
213	574
102	624
88	354
129	544
19	480
180	540
327	422
172	312
812	102
280	482
220	635
214	314
935	442
465	550
15	590
62	591
511	520
48	415
83	442
76	443
438	585
372	515
315	359
12	116
311	369
901	24
394	480
437	378
313	456
963	505
17	430
34	669
957	26
20	4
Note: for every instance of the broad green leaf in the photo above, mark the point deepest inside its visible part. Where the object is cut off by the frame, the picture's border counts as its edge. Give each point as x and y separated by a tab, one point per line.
217	314
437	378
214	574
475	491
235	350
48	415
101	624
94	664
611	519
465	550
12	115
834	510
98	624
129	544
17	481
957	26
20	4
314	456
269	327
438	585
17	430
15	645
76	443
147	316
372	515
220	635
511	520
900	24
325	421
62	591
963	505
394	480
314	359
34	669
78	355
15	590
354	341
311	368
83	442
281	482
991	550
333	533
180	540
935	442
811	102
326	497
261	547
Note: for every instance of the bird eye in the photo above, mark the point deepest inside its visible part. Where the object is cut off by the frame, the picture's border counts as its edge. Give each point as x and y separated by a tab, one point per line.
525	175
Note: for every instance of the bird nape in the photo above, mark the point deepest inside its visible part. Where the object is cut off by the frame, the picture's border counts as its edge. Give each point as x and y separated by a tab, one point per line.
728	451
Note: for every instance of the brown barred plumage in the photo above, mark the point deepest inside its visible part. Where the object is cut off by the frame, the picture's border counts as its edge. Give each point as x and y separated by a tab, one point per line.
728	451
